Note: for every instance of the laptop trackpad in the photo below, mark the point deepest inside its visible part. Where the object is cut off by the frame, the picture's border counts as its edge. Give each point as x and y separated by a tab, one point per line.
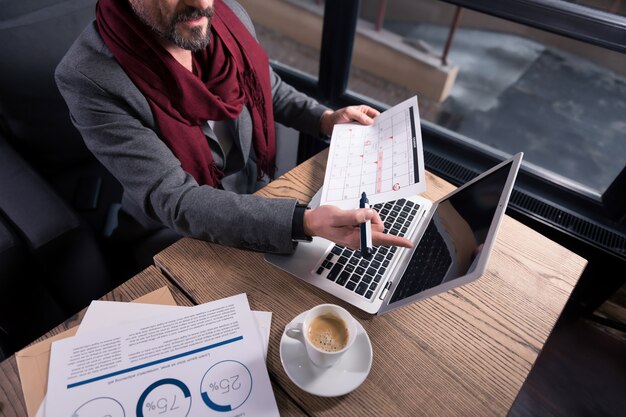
305	258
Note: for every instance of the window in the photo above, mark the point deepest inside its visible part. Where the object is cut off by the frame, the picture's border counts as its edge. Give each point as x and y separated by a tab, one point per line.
290	32
547	77
504	86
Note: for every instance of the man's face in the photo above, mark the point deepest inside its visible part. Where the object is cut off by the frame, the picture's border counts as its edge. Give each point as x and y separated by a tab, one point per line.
185	23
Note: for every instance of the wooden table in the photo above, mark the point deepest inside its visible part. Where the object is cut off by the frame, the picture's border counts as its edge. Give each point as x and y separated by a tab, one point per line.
465	352
11	396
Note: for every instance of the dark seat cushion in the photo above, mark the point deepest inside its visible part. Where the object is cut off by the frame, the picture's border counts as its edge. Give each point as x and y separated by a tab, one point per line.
28	201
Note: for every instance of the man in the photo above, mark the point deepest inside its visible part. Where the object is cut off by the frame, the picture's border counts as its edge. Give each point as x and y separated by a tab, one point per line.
177	99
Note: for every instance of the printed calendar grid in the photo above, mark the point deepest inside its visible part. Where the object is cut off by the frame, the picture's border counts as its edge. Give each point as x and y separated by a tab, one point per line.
379	159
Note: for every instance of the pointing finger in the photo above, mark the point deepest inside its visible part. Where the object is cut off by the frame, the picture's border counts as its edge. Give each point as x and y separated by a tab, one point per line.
384	239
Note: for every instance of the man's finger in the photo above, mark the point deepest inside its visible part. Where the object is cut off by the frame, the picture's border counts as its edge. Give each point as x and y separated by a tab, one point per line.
376	218
384	239
361	117
370	111
365	214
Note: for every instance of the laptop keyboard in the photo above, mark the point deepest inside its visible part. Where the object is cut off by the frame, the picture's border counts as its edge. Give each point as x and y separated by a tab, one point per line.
346	267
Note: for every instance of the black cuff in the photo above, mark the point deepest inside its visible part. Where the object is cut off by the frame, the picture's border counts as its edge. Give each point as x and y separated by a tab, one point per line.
297	224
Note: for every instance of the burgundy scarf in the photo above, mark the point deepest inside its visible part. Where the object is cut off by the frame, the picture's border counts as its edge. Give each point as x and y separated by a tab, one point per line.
232	71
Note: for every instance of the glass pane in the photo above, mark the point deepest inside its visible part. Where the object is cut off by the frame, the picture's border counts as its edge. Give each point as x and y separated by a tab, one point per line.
560	101
289	31
609	6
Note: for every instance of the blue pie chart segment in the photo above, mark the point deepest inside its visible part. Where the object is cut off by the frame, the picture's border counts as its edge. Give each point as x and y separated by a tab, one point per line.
165	397
226	386
100	407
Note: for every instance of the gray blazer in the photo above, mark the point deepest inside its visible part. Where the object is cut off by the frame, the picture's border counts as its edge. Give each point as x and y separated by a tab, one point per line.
117	125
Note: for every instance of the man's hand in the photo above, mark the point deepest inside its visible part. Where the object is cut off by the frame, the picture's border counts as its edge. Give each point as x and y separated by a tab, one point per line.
342	227
361	114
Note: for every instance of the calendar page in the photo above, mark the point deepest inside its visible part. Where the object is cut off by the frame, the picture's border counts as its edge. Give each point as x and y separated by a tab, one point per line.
385	160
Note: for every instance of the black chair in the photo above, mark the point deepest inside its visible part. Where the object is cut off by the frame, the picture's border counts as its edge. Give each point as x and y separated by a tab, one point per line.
33	116
58	204
50	264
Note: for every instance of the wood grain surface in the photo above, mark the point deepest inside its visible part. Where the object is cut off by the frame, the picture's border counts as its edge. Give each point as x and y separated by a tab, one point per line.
11	395
464	352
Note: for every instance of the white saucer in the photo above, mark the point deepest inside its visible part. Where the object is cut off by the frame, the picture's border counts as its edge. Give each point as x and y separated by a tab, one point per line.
341	378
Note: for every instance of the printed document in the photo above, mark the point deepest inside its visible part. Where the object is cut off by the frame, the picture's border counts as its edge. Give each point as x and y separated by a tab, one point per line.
195	361
384	160
101	314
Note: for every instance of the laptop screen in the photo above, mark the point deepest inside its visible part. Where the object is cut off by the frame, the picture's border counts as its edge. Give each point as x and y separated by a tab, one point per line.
453	241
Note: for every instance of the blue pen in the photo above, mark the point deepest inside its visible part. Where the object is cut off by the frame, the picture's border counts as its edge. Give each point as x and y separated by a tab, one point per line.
366	230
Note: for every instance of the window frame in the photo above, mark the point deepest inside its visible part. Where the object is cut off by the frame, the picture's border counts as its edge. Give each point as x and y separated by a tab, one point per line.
571	20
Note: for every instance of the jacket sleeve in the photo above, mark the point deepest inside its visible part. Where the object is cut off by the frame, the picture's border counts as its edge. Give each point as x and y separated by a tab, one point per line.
107	109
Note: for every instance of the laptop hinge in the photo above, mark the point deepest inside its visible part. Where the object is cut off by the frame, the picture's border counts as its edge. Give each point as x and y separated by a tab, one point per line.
384	292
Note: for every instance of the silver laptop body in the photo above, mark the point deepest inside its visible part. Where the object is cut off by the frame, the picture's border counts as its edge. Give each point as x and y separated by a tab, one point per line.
453	238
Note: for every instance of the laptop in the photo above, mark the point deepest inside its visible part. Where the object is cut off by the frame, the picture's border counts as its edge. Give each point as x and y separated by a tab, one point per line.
452	237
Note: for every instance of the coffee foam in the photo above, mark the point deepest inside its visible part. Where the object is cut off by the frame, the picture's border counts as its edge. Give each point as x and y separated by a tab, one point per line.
328	333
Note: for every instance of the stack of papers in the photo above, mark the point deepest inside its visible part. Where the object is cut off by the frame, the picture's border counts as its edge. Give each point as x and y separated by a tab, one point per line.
148	360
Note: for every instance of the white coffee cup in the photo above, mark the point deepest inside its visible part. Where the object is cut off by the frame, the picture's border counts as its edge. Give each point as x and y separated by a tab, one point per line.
327	332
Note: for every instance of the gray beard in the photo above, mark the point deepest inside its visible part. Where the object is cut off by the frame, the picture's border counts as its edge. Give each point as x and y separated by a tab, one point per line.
196	42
